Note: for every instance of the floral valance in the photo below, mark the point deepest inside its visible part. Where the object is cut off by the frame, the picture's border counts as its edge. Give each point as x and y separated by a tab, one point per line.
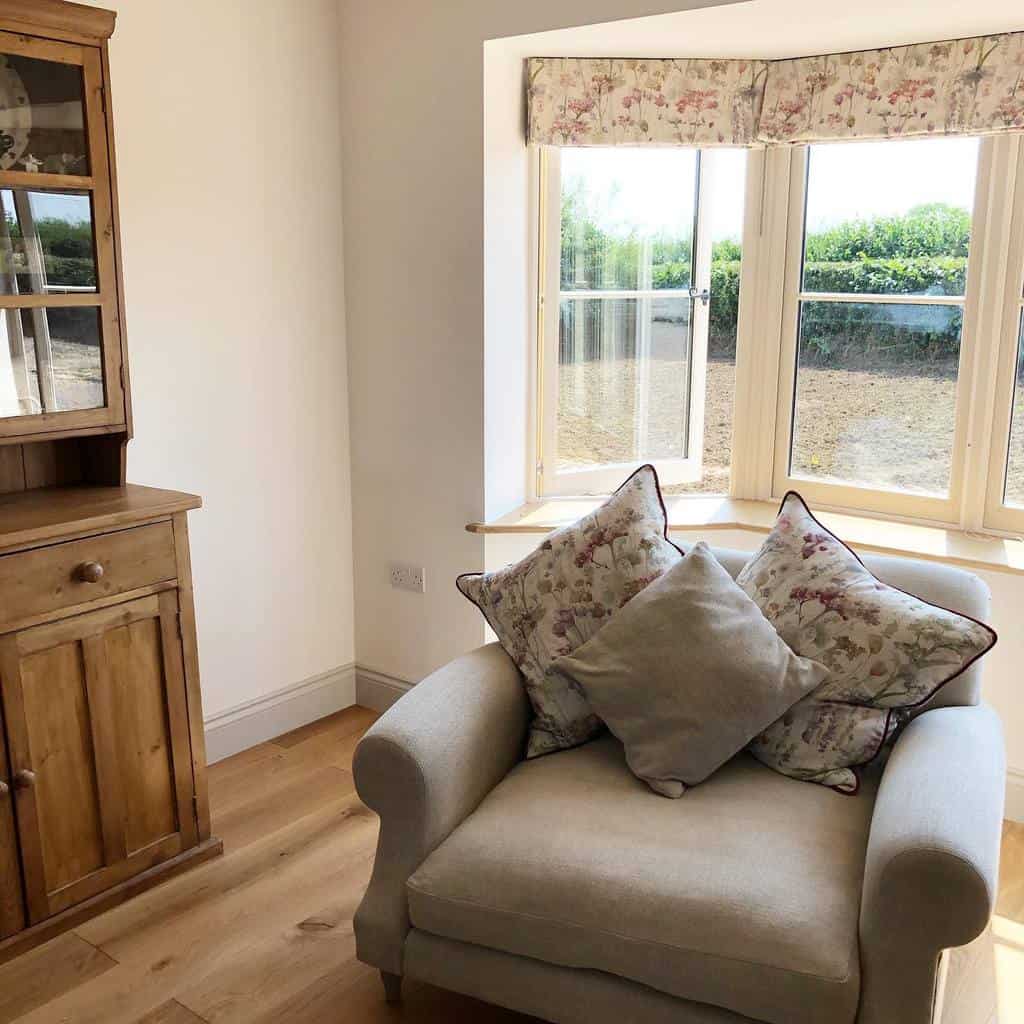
962	86
576	101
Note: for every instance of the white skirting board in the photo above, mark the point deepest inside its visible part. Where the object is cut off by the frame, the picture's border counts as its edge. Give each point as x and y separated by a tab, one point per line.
377	690
259	720
1014	794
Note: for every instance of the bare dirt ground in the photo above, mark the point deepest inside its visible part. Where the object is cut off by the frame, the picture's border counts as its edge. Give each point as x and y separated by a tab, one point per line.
891	429
77	373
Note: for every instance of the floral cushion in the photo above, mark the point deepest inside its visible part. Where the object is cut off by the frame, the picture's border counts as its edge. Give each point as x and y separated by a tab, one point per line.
887	651
558	597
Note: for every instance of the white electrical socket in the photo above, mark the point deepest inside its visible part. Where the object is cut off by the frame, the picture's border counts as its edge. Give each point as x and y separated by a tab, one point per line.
409	577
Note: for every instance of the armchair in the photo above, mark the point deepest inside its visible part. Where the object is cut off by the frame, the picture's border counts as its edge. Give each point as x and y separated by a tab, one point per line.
563	888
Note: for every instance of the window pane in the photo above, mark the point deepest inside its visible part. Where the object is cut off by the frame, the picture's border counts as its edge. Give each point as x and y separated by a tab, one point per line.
46	242
623	380
890	218
725	210
42	116
627	218
876	394
50	360
1013	493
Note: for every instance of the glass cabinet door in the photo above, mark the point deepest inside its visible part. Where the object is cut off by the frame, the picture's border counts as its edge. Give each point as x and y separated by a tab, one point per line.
60	344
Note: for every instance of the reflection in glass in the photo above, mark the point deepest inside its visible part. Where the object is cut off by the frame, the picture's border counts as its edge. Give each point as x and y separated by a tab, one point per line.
890	218
627	218
46	243
42	116
875	395
1013	493
623	380
50	360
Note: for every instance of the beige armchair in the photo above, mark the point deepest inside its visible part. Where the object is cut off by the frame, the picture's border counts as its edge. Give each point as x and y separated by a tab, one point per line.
564	888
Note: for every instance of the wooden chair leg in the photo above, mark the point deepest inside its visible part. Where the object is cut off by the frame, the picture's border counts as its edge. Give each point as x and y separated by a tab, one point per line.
392	987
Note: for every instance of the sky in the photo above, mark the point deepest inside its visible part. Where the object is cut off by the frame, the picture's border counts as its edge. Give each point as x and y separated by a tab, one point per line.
654	188
73	208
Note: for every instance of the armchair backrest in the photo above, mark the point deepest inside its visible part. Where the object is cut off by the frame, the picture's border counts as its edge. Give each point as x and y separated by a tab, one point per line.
939	584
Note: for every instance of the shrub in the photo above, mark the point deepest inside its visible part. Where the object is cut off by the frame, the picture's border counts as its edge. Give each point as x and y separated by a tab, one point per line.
921	253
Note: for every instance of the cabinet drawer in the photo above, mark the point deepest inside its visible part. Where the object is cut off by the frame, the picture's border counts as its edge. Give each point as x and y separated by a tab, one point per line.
64	575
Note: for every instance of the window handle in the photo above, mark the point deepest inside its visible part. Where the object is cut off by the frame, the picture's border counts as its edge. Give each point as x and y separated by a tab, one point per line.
700	293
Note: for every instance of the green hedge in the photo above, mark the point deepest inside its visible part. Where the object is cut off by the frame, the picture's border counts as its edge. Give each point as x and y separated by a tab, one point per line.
923	252
854	332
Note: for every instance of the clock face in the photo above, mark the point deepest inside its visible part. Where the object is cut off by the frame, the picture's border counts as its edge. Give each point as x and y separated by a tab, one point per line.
15	116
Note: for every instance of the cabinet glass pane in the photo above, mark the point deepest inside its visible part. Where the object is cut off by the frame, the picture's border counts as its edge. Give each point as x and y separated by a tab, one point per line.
46	243
42	116
50	360
875	398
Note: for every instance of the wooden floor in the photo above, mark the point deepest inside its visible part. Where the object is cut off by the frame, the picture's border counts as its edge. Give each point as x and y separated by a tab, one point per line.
264	934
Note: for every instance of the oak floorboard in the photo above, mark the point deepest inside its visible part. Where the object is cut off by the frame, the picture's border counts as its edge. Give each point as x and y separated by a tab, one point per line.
352	721
42	974
264	934
281	804
1010	903
171	1012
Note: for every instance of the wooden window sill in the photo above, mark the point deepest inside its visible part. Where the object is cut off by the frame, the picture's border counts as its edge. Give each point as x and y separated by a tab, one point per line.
863	532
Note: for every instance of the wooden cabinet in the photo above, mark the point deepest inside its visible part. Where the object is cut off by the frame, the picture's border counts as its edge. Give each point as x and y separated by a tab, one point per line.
12	909
102	768
102	759
98	732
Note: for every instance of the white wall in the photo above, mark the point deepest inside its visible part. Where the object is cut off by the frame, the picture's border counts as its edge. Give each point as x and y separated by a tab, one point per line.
413	127
228	153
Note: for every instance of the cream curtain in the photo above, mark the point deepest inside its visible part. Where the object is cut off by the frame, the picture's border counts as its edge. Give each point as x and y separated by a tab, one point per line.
960	86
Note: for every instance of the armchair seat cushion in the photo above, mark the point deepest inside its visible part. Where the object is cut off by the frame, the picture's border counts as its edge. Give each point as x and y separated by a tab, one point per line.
744	895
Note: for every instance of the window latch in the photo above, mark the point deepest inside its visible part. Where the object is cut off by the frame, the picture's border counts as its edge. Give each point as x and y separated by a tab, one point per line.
700	293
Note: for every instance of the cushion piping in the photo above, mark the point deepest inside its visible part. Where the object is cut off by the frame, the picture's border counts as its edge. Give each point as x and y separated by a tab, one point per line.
856	768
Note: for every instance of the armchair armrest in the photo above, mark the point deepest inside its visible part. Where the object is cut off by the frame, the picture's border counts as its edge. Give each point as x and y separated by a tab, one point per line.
932	858
424	766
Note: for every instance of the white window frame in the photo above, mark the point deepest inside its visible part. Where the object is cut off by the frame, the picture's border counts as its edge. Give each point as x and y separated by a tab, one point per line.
767	337
604	479
1007	302
851	496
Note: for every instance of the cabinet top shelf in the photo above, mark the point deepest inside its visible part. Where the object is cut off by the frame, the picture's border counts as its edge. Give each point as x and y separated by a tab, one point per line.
31	517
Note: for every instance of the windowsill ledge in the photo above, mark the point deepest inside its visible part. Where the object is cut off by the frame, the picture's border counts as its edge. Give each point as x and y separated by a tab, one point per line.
864	532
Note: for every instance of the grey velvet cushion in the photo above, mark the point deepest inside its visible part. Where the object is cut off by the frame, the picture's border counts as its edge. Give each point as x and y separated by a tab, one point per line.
744	895
688	673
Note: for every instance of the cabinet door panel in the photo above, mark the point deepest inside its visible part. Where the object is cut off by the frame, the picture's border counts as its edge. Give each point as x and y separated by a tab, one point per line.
12	911
134	659
92	706
59	734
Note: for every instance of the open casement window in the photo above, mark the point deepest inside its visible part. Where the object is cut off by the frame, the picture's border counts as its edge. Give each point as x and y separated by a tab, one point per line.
625	272
878	324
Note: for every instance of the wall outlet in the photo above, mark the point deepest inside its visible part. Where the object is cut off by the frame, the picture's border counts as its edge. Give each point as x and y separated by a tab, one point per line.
409	577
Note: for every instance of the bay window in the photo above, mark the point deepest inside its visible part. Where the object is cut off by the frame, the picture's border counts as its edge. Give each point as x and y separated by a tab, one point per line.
873	335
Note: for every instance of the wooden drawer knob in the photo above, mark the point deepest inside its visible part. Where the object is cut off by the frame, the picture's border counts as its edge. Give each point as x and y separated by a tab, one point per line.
89	572
4	788
25	779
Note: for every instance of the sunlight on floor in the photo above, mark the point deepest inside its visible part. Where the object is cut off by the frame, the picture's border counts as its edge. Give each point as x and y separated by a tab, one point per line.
1009	956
